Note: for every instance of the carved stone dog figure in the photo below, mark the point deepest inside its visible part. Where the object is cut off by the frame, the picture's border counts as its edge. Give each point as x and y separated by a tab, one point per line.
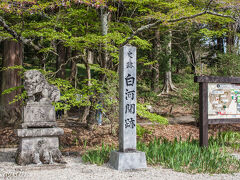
38	89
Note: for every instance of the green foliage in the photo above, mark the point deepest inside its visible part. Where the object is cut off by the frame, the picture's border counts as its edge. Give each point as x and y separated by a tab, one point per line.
153	117
143	44
106	93
77	24
187	94
12	68
187	156
9	90
184	156
213	33
70	97
227	65
141	131
99	156
19	98
230	139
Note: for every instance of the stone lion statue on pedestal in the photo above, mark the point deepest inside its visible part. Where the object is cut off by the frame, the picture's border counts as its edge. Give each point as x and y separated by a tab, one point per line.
38	89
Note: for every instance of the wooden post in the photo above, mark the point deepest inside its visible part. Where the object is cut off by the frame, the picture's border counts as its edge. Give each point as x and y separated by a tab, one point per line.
203	110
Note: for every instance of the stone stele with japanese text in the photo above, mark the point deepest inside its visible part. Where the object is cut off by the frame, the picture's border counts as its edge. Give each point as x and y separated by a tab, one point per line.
127	157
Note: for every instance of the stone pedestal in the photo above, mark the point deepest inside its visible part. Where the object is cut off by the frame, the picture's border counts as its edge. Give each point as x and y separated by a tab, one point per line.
128	160
39	145
127	157
39	142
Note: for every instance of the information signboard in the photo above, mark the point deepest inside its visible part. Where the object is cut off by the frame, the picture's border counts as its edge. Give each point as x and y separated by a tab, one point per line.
219	102
223	100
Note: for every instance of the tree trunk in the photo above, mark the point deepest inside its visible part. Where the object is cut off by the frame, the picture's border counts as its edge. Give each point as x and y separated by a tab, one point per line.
87	62
10	114
86	118
61	59
194	62
1	63
91	118
85	112
168	84
220	45
104	29
230	38
155	67
74	70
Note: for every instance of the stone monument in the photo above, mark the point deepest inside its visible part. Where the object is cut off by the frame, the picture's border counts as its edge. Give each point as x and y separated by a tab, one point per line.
127	157
39	142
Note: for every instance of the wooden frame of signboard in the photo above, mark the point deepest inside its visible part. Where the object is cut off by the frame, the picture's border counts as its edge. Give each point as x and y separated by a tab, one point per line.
203	105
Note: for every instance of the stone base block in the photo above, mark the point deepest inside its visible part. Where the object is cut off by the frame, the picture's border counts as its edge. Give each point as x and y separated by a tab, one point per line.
128	160
39	114
39	132
39	146
38	125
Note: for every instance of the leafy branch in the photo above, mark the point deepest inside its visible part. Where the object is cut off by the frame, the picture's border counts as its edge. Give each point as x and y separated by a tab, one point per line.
17	36
160	21
65	63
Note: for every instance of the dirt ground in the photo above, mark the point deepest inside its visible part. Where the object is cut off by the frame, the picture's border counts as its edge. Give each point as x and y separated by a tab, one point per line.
78	138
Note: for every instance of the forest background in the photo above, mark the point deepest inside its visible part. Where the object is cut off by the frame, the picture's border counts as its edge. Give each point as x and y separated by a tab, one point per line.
75	43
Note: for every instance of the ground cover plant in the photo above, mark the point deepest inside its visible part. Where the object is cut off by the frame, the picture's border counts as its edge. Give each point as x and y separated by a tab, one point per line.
187	156
179	155
98	156
230	139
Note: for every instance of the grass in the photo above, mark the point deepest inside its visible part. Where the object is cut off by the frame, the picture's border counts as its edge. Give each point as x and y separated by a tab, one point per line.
183	156
187	156
98	156
230	139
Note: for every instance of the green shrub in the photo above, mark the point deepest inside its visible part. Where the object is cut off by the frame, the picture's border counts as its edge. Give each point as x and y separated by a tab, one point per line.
153	117
141	131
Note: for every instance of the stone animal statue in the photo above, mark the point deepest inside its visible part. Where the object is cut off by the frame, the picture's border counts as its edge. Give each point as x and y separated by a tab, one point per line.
46	155
38	89
41	154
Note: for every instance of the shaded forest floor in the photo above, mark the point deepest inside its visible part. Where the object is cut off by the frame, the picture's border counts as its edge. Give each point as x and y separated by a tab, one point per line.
78	138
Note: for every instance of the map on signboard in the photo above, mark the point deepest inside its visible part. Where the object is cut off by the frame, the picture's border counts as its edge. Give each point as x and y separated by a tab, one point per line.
223	101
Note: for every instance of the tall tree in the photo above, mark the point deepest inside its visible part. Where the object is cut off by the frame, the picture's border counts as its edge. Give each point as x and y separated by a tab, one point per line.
61	59
10	114
155	66
168	84
74	69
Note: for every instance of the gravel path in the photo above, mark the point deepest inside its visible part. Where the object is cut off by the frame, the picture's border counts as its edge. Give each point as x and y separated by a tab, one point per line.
75	169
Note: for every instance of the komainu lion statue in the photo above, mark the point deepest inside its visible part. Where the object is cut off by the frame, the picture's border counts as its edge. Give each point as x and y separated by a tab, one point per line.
38	89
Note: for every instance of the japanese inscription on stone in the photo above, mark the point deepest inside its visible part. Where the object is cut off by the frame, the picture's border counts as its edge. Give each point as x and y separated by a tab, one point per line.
127	98
127	158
